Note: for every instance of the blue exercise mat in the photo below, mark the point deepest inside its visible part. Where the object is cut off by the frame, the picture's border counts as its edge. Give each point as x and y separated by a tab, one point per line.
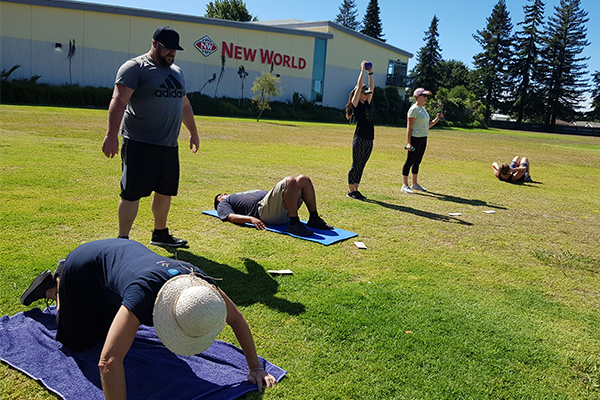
152	371
325	237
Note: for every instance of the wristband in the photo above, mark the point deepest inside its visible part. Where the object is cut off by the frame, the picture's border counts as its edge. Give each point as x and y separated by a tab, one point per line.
257	369
370	73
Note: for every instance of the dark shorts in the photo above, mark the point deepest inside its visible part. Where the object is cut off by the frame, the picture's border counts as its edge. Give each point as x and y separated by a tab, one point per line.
148	168
81	318
522	178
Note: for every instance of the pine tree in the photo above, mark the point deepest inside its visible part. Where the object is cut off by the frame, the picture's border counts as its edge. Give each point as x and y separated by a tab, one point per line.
372	23
233	10
526	69
565	80
453	73
347	15
594	115
493	62
426	71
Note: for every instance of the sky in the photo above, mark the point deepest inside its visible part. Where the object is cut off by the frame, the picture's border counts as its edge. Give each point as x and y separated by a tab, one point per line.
404	21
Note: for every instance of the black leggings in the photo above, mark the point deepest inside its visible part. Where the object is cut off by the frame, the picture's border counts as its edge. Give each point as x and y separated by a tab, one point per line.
413	158
361	151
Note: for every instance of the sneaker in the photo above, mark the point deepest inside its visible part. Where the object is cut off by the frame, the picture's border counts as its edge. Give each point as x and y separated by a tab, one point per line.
356	195
406	189
352	195
418	187
37	289
319	223
299	229
164	238
528	179
360	196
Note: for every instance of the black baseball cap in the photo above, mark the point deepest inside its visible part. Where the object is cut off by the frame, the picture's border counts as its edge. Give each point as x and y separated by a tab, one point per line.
168	37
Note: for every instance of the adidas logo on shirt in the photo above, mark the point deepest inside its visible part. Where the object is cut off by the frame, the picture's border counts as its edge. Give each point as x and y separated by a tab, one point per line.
171	87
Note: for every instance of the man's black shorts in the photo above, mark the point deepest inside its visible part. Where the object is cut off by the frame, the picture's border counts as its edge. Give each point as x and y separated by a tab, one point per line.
148	168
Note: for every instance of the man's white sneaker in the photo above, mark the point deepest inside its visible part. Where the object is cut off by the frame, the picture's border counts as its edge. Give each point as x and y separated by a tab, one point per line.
418	187
406	189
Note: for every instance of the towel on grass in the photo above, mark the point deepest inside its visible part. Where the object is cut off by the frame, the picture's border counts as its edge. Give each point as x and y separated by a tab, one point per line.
325	237
152	371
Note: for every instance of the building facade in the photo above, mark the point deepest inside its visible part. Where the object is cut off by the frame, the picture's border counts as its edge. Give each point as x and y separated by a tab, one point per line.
67	42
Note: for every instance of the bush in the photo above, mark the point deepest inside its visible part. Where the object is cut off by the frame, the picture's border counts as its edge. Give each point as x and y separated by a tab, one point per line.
299	109
390	108
16	93
460	107
27	91
229	109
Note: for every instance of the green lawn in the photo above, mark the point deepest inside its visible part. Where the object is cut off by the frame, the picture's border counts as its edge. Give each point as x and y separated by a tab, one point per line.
476	306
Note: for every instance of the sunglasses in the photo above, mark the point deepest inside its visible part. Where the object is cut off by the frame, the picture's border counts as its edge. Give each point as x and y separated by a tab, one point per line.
163	46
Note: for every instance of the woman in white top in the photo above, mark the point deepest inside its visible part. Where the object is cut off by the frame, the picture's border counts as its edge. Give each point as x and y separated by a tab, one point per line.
417	130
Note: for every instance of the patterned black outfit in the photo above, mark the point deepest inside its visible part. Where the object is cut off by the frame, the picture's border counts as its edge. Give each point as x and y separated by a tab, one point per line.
362	144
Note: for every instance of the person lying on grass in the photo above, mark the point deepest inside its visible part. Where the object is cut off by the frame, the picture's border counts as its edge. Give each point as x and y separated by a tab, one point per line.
105	289
517	171
276	207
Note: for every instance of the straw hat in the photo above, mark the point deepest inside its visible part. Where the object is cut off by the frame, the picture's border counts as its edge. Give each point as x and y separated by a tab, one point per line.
188	314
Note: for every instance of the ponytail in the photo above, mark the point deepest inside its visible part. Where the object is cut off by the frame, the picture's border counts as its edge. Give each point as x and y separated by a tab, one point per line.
349	111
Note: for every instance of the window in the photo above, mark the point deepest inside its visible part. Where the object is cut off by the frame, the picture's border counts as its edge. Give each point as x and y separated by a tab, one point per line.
318	77
397	73
397	67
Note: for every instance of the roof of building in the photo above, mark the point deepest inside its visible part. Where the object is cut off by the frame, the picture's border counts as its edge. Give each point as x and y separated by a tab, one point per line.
280	21
588	124
293	23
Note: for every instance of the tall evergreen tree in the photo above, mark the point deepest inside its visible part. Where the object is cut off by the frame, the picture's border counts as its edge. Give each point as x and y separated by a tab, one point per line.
347	15
233	10
426	71
594	115
453	73
372	22
493	62
565	81
525	71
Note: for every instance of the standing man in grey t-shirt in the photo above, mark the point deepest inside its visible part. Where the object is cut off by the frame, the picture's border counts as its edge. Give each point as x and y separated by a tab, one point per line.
150	99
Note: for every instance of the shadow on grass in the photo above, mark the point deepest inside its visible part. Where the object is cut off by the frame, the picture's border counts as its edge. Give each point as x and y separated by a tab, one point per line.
460	200
529	184
420	213
244	288
280	124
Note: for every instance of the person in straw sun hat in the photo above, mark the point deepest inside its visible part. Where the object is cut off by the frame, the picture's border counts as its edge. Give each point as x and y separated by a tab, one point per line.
105	289
188	314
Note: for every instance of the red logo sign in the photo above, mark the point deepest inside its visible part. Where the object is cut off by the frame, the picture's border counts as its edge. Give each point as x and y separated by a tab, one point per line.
266	56
206	46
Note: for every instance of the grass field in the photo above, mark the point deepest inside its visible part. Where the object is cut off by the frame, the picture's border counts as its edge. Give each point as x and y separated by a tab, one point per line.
476	306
